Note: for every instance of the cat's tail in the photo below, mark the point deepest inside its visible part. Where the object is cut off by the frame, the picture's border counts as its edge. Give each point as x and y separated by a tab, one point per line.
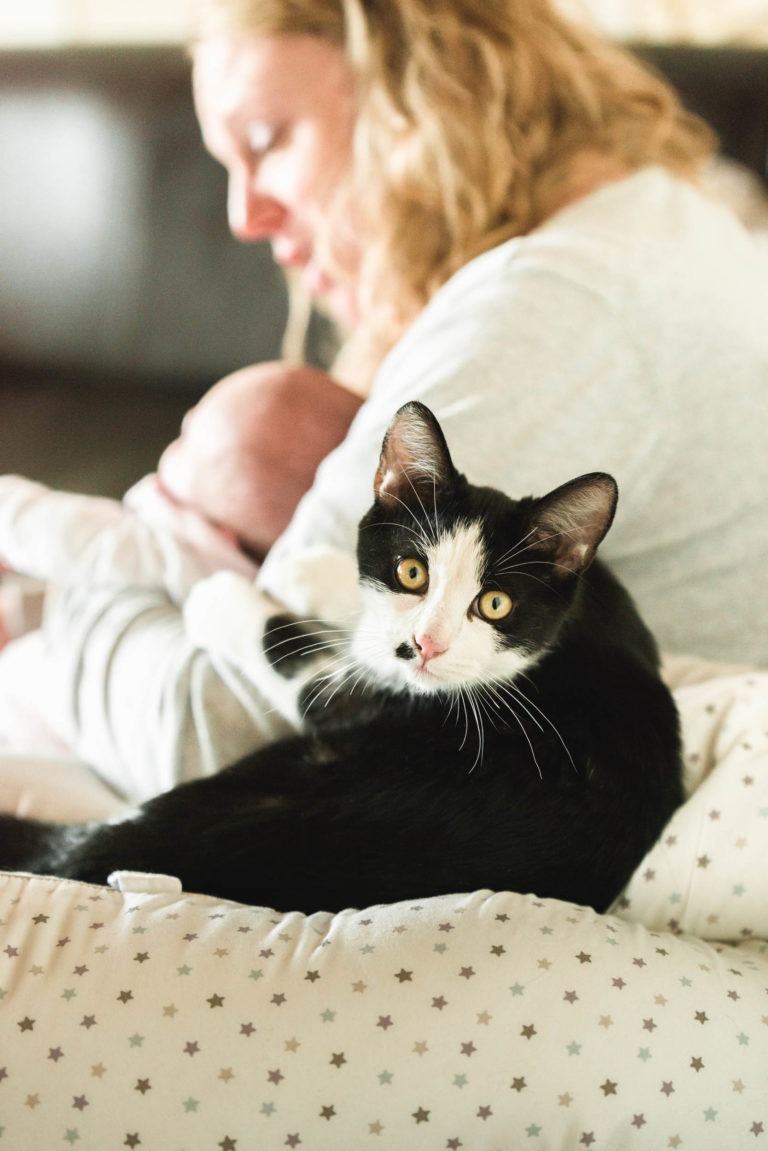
29	845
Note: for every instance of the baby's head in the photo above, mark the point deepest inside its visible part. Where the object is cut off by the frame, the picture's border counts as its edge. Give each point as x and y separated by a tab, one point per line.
248	451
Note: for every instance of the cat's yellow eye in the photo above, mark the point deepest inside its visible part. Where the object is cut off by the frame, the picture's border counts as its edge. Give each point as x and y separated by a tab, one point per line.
412	575
494	605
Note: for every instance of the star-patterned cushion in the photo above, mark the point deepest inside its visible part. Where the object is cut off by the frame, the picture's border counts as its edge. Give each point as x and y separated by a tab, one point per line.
148	1017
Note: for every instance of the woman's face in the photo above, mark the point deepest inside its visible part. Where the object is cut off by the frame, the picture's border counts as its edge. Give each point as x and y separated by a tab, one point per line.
278	112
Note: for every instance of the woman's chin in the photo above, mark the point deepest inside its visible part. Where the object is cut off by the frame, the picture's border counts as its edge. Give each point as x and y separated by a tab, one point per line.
337	300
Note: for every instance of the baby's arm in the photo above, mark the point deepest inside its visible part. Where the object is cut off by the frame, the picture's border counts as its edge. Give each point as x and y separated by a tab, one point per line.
69	538
45	533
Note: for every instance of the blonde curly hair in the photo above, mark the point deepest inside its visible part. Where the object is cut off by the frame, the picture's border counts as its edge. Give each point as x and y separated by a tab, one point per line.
471	114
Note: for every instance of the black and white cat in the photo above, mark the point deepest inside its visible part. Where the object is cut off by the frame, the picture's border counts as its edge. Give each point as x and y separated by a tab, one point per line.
496	719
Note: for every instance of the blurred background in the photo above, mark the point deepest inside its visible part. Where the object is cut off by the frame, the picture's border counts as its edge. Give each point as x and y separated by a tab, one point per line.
122	294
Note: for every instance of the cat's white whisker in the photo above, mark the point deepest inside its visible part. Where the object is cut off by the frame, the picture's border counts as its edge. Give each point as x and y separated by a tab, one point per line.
332	682
419	499
518	548
521	698
436	521
314	638
472	699
500	691
308	654
457	700
308	649
527	738
350	678
419	531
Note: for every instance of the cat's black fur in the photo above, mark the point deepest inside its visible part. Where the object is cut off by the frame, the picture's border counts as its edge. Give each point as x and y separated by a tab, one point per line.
390	794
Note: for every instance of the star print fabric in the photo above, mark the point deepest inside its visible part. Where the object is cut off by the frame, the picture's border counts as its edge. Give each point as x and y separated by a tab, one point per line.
708	873
156	1019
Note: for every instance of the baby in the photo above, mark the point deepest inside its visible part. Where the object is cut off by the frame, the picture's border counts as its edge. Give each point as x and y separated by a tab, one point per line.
222	494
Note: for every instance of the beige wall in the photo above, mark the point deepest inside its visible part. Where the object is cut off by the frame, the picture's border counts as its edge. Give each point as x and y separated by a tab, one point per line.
64	21
57	21
699	21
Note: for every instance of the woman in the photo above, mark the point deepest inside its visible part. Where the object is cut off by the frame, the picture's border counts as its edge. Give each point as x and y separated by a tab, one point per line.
502	210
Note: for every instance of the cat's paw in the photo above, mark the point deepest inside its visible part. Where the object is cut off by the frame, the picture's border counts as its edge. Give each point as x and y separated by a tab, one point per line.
225	614
319	583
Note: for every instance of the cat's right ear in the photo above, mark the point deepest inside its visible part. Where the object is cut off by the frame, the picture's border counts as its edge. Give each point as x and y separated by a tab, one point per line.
415	461
570	522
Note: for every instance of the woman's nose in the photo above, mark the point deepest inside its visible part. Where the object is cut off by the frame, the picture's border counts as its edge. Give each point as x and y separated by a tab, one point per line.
252	213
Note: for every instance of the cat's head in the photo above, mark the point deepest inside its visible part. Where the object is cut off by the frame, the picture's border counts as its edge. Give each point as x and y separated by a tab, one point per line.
462	585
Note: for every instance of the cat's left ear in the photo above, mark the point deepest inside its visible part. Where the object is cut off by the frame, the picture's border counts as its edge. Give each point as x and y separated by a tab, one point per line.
415	461
572	520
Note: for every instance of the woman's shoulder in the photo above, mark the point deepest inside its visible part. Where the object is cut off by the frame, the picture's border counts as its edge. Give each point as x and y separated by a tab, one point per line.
620	263
648	219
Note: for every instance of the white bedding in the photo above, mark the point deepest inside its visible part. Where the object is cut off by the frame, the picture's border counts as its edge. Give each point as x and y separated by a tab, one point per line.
152	1018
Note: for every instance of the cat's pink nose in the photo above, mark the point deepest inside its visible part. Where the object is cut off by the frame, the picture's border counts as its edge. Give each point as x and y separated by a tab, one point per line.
428	647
